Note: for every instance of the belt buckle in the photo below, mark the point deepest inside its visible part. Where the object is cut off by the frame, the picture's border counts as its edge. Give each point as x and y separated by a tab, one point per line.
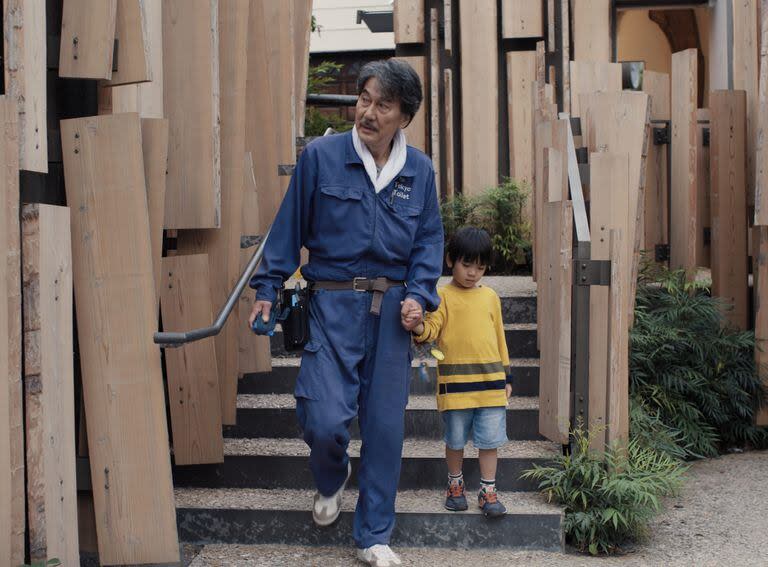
354	284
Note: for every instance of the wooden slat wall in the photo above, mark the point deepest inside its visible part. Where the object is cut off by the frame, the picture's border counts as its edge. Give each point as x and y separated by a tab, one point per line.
728	200
448	109
618	343
522	18
521	74
745	76
87	39
116	318
761	312
223	246
133	61
193	385
682	184
191	93
479	84
25	78
703	208
592	30
416	131
302	23
12	497
658	88
657	179
434	97
409	21
593	76
49	384
761	142
154	144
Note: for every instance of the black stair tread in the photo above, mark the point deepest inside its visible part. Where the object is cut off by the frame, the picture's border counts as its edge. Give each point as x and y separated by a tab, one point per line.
412	448
417	402
408	501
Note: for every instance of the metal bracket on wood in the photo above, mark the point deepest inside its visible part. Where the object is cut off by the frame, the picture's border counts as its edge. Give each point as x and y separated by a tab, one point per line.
661	136
591	272
661	252
285	170
705	137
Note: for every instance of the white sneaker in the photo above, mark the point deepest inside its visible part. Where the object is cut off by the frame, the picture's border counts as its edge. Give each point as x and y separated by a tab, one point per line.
378	556
326	509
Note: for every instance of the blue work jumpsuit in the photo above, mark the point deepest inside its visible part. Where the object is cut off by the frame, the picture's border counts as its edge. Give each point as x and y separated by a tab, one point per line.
356	363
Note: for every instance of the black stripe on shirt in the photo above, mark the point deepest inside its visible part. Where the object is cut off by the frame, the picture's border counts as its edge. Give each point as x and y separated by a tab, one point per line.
463	387
470	369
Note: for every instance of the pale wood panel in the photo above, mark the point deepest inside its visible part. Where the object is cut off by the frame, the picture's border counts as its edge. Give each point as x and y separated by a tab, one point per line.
658	88
703	208
565	56
592	76
303	29
133	58
223	246
434	97
745	76
409	21
447	27
682	184
146	98
521	74
450	170
87	39
479	84
154	144
617	418
116	319
761	311
728	201
49	384
12	498
522	18
191	92
193	385
25	78
555	284
592	30
761	144
416	131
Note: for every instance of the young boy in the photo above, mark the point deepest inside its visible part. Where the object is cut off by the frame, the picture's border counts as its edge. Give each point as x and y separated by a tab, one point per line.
473	380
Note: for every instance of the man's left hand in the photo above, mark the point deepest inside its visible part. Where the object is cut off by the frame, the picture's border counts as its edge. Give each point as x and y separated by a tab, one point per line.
411	314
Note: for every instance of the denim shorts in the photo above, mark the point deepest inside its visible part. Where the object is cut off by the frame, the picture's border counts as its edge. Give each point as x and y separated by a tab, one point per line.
488	426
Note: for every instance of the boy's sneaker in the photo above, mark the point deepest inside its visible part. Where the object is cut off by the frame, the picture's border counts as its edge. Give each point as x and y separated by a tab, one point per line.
489	504
378	556
455	500
326	509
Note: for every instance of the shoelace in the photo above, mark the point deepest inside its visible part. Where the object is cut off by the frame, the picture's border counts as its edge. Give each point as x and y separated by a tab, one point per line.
383	552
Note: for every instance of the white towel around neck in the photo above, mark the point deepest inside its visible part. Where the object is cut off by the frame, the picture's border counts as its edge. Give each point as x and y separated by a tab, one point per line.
394	164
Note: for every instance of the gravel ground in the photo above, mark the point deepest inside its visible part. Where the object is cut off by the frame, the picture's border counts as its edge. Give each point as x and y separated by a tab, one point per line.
719	519
415	402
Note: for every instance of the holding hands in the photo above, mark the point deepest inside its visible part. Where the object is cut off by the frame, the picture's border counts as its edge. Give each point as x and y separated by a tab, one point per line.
411	315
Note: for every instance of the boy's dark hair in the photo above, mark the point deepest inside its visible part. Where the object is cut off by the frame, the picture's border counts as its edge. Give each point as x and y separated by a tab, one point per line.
470	244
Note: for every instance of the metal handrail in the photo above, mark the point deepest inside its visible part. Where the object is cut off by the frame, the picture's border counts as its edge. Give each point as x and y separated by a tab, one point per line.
176	339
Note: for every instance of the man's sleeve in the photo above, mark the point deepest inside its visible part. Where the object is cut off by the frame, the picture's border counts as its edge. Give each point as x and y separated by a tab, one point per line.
288	232
426	262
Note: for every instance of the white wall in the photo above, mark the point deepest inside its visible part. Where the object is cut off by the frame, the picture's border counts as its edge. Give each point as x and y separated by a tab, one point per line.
338	30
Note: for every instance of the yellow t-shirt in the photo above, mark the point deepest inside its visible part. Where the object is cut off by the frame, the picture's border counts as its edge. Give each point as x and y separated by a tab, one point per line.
469	330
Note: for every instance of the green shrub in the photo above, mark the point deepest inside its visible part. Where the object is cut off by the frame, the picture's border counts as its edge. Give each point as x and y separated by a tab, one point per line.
608	498
316	122
691	370
499	210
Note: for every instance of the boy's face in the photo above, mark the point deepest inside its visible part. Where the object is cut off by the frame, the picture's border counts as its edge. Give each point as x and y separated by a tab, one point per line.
466	273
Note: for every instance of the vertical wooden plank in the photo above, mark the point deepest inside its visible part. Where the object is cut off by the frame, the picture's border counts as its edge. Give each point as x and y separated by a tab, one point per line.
434	97
522	18
447	27
193	385
87	39
49	384
658	88
761	312
682	184
565	55
617	418
133	61
449	141
25	78
409	21
553	173
154	145
416	131
116	318
592	76
479	84
592	30
551	32
223	246
554	396
12	498
761	143
656	179
703	208
728	202
303	26
521	73
190	59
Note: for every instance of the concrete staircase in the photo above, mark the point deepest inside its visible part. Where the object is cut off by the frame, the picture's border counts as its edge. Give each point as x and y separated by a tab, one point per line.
262	492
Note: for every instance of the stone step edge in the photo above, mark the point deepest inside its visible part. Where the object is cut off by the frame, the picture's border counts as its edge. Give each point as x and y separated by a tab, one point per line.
295	362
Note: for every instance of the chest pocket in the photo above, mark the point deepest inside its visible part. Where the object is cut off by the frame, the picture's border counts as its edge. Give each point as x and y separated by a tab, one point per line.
340	211
400	221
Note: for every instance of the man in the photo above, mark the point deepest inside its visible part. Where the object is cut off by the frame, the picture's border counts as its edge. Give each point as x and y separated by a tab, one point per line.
365	206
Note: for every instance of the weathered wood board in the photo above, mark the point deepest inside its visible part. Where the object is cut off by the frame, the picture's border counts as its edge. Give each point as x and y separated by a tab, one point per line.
409	21
592	76
24	35
193	385
761	312
49	384
728	136
617	417
761	138
132	36
450	166
521	74
555	285
657	173
522	19
479	84
87	39
154	145
703	208
746	17
191	93
591	30
658	88
416	131
434	98
302	23
223	246
682	184
116	318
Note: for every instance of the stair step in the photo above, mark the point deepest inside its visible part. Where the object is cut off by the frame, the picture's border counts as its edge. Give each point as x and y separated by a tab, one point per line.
284	463
274	415
282	378
247	516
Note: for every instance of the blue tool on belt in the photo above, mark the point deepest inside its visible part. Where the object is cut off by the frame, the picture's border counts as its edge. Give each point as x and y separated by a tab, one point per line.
291	310
268	329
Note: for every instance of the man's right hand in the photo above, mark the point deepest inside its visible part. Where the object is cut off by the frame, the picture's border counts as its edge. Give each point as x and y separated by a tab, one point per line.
260	308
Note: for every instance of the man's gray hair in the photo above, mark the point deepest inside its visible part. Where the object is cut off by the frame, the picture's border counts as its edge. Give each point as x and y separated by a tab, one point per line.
398	81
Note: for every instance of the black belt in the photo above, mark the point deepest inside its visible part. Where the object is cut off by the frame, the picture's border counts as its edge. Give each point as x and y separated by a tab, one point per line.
377	286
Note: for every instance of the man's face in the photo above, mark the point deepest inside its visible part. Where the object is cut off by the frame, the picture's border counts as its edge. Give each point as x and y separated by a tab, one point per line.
377	118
